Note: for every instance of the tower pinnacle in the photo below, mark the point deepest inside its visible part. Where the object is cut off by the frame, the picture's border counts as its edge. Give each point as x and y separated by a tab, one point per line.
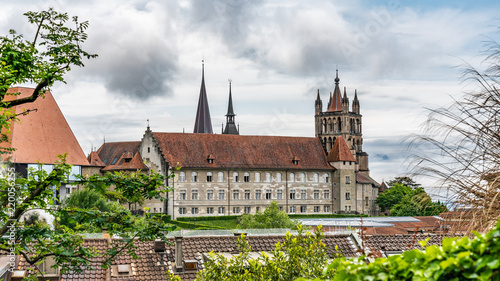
203	122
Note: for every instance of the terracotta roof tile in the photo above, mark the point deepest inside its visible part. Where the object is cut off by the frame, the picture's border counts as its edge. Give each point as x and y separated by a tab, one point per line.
191	150
363	177
121	156
42	134
94	160
340	151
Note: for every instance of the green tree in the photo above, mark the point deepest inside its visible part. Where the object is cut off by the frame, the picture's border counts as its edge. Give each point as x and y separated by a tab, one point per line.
272	217
392	196
301	255
407	181
56	47
87	199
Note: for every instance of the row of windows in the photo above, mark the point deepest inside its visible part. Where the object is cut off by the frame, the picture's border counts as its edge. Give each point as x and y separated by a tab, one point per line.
258	194
248	209
302	177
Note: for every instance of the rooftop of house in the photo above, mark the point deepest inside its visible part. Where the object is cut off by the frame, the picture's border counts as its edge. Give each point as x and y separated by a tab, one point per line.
228	151
43	133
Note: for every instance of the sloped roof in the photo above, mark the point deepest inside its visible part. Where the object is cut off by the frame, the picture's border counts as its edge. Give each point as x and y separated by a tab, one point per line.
191	150
340	151
42	134
121	156
94	160
363	177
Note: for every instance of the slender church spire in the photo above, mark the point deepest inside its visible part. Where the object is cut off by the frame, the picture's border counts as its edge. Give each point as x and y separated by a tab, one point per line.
203	123
230	125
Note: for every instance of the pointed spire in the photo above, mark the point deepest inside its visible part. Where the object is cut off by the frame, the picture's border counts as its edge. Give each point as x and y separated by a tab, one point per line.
230	126
318	97
203	122
336	103
230	111
356	96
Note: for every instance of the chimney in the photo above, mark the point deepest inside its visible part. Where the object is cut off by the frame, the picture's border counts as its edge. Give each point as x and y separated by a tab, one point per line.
105	233
178	254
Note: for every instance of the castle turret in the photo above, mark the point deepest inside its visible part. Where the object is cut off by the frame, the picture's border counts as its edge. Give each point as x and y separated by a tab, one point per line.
355	103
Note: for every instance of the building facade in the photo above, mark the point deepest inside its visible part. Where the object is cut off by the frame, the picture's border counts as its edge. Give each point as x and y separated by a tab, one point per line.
232	174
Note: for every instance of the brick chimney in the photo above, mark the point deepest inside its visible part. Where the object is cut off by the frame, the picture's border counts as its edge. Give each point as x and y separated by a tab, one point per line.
178	254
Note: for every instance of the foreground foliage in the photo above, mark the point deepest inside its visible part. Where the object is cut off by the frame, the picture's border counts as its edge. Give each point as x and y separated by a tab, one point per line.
456	259
301	255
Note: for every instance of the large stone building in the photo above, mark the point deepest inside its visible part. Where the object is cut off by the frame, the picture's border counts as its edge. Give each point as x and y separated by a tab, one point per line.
232	174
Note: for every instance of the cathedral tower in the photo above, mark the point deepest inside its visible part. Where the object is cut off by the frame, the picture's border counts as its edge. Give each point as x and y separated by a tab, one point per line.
338	121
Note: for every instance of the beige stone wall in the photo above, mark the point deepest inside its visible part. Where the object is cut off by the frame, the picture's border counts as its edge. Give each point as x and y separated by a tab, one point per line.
192	196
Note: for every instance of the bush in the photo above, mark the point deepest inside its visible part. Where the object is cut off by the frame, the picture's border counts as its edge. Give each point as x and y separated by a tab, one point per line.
211	218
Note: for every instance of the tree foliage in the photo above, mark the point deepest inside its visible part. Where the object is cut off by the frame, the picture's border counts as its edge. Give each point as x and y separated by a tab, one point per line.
301	255
272	217
406	181
459	145
42	61
403	200
457	259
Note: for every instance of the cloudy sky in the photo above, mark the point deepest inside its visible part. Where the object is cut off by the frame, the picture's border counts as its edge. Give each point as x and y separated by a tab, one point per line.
401	56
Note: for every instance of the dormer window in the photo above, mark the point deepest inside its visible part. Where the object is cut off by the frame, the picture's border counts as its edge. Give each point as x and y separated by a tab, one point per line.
210	159
190	265
121	270
295	160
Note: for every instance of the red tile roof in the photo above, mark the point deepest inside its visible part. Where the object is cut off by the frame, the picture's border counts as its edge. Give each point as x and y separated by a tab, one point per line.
236	151
336	104
42	134
364	177
121	156
94	160
340	151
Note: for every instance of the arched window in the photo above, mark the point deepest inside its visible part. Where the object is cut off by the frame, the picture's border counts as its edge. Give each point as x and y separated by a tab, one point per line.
292	177
194	176
221	177
339	123
257	177
246	177
330	144
324	126
182	176
235	177
209	176
302	177
316	177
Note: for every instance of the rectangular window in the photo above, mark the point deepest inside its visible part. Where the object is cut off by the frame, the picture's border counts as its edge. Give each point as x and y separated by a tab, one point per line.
221	210
326	194
366	201
194	176
194	211
303	209
349	208
292	209
268	194
210	194
326	208
182	177
221	177
258	194
235	177
247	194
194	194
303	194
292	177
346	208
209	176
247	210
347	180
236	210
278	177
236	195
257	177
268	177
292	194
316	209
246	177
347	196
210	210
279	194
182	195
316	194
221	194
182	211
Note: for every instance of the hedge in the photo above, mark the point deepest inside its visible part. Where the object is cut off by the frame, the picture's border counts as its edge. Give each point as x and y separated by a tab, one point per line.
191	225
320	216
211	218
